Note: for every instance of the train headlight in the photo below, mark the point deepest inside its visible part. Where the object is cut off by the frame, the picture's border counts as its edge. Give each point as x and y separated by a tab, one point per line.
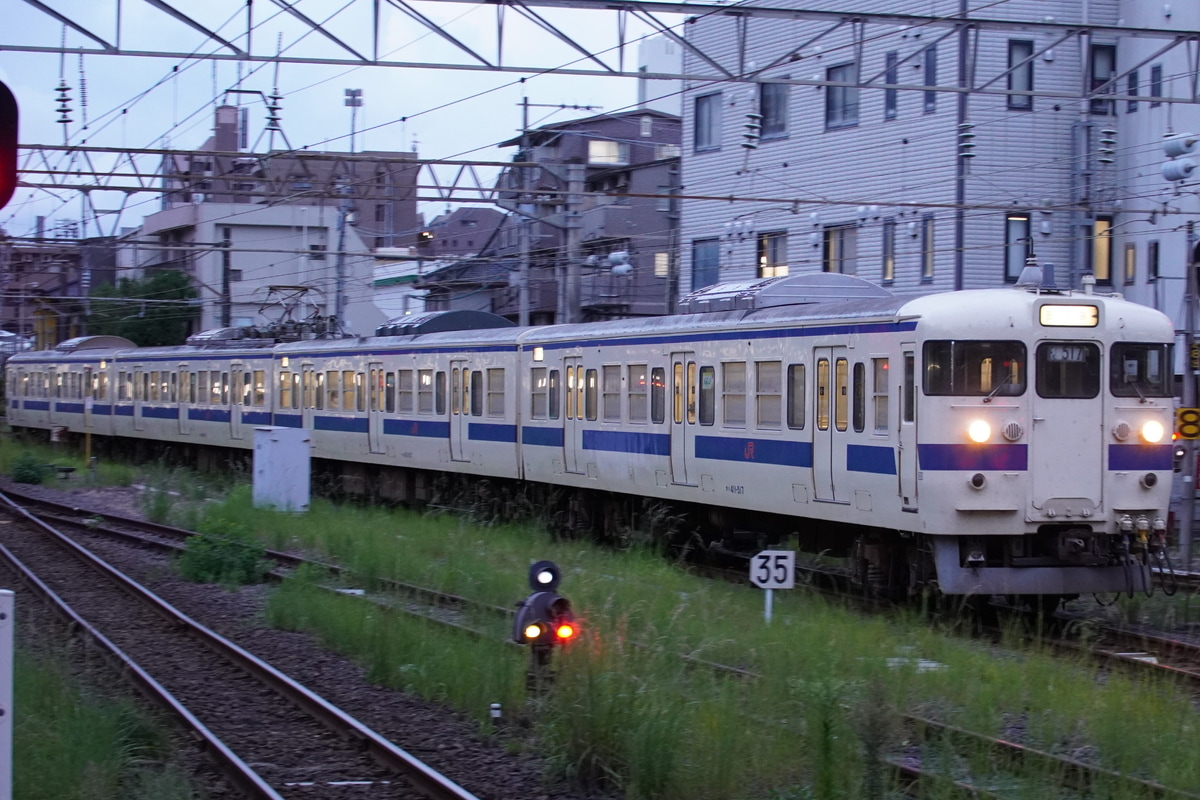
1153	431
979	431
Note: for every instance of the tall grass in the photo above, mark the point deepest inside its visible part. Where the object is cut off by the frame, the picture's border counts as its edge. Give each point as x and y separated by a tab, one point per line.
626	713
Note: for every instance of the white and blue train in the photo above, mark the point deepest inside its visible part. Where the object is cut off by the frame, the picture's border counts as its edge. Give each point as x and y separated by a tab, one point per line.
1006	441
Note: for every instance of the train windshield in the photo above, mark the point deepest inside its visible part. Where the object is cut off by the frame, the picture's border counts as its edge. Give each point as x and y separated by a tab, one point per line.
975	368
1068	369
1141	370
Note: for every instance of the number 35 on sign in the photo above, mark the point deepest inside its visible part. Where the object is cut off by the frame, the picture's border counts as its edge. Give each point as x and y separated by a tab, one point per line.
773	569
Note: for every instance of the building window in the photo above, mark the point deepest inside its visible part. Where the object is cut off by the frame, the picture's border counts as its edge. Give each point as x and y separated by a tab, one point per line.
773	105
1156	88
1102	68
1100	250
662	151
927	245
1130	264
888	273
1151	262
316	252
602	151
931	78
664	201
772	254
841	102
840	253
708	119
1020	75
662	265
891	75
1131	89
706	263
1018	245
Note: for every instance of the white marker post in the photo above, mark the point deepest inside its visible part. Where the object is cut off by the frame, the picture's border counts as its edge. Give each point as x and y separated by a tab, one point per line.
770	570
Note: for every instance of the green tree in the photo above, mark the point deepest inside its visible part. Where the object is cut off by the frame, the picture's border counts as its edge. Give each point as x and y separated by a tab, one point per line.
120	311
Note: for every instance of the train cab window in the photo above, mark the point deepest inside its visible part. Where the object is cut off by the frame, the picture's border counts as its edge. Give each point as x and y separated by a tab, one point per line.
658	395
591	395
553	398
708	395
439	393
360	391
858	409
822	394
841	397
638	394
1068	370
425	392
349	390
539	394
495	392
319	391
405	391
476	393
768	390
1141	370
733	394
285	389
611	395
260	388
879	393
795	396
975	368
389	392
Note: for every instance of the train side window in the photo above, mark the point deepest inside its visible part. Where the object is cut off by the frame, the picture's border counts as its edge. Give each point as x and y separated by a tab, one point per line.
334	396
476	392
295	390
306	386
454	401
405	391
611	400
910	388
570	392
374	390
260	388
360	391
691	392
202	396
439	393
122	386
733	394
677	393
769	393
152	394
102	387
554	392
591	395
174	388
425	392
285	389
495	392
638	396
225	389
190	391
879	393
143	386
795	398
1068	370
579	392
858	410
319	390
658	395
822	394
349	393
539	394
841	397
708	395
389	392
216	387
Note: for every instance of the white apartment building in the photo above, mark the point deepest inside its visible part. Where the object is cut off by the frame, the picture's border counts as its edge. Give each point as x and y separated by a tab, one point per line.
1046	140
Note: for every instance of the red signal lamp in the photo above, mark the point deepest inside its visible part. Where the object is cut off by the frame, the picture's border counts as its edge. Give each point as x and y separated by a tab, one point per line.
565	632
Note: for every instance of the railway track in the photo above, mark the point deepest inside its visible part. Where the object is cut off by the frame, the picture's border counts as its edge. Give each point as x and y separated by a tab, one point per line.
243	710
929	741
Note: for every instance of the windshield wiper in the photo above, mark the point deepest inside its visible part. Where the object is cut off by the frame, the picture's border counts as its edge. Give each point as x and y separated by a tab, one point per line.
1008	381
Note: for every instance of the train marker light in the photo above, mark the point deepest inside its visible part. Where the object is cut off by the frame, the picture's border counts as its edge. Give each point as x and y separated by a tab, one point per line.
1153	431
979	431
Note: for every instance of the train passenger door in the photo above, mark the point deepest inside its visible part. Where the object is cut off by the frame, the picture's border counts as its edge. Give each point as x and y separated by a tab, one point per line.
139	397
310	395
683	416
233	396
185	397
460	405
832	400
572	419
375	407
908	430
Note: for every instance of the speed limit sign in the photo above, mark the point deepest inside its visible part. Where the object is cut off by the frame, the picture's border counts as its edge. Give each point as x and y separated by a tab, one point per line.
773	569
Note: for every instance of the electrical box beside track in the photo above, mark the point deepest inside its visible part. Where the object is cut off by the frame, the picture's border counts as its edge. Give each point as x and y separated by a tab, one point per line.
282	468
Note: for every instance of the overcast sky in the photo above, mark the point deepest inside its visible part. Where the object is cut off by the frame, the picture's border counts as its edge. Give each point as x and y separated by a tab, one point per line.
138	102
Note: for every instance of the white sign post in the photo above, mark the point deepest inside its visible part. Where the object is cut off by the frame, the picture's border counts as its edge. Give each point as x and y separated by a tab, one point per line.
770	570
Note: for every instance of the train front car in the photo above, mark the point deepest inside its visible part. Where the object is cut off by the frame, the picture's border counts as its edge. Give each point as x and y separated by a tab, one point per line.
1044	442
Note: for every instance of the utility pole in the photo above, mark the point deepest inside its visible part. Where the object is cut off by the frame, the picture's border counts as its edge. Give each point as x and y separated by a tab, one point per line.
1187	504
574	225
525	229
226	291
